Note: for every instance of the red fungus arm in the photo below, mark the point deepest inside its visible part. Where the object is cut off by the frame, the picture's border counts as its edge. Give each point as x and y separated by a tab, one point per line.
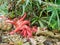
22	18
14	31
26	22
9	21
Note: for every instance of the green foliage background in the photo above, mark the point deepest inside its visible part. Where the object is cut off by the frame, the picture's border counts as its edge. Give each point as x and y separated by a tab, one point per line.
40	12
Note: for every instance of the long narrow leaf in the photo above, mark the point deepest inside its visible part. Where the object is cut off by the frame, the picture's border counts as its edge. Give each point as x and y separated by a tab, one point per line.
41	24
51	17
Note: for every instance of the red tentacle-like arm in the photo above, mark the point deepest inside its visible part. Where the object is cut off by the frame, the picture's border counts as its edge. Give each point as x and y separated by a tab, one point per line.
10	21
26	22
22	18
22	27
27	31
14	31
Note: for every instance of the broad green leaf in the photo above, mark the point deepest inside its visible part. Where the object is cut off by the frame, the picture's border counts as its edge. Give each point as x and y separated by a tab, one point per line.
45	21
35	15
38	6
3	9
52	16
41	12
58	2
18	2
39	1
23	9
33	19
34	22
41	24
58	20
27	2
49	8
